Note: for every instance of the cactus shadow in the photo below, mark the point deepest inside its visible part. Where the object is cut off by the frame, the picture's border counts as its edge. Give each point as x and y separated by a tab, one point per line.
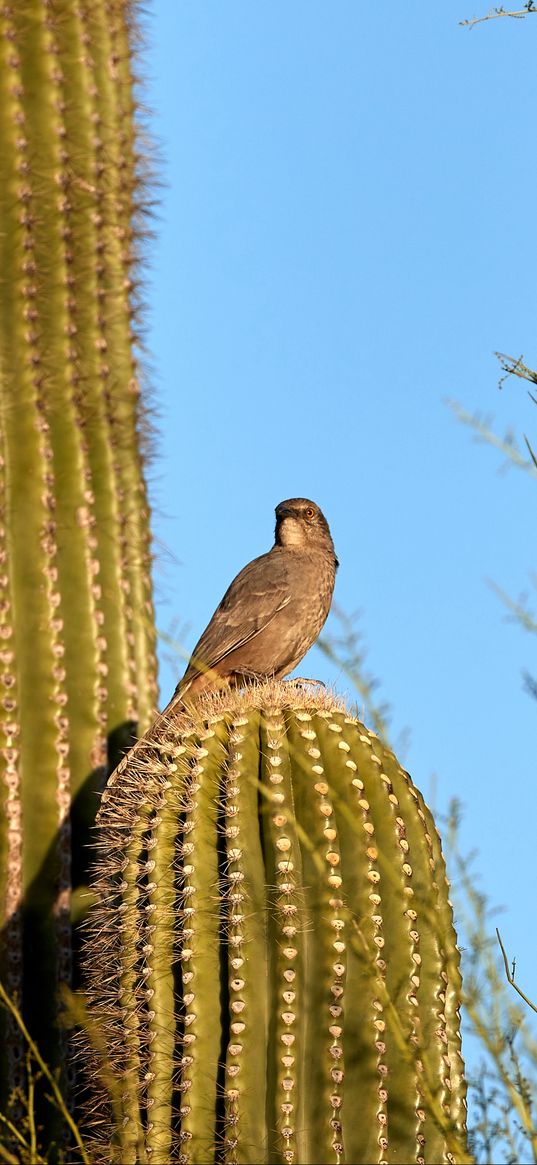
41	941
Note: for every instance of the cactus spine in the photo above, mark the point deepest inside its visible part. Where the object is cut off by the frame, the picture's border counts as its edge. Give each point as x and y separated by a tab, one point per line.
272	959
77	659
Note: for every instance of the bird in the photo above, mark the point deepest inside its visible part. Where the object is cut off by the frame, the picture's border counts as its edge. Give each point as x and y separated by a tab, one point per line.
269	617
272	612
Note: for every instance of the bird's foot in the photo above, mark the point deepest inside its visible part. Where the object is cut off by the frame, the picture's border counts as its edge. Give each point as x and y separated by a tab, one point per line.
302	680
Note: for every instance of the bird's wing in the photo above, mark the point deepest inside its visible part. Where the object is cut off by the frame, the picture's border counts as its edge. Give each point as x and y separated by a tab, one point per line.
248	606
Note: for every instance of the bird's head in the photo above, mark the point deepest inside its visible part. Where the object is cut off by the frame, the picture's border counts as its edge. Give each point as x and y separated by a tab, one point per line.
301	524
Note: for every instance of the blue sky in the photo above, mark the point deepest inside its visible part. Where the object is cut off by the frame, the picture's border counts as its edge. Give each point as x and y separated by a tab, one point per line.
346	234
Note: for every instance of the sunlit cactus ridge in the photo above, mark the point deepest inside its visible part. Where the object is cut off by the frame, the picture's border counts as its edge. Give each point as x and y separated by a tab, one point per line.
272	960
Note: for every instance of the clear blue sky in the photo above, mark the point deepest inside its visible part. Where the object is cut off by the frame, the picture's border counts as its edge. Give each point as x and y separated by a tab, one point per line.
346	234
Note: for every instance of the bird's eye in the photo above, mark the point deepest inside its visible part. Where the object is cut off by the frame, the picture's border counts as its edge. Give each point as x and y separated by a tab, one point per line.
309	513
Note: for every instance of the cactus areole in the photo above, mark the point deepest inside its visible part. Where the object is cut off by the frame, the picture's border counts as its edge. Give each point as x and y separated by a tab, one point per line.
272	959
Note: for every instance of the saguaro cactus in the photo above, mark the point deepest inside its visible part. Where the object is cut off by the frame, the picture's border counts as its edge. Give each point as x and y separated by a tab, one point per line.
272	962
77	660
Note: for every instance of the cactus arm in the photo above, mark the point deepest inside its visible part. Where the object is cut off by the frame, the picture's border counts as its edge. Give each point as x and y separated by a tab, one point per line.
77	116
31	539
80	659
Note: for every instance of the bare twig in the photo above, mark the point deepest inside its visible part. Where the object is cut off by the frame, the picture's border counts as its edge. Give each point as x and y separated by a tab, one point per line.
510	976
531	453
496	13
36	1054
514	366
10	1158
519	608
483	432
31	1108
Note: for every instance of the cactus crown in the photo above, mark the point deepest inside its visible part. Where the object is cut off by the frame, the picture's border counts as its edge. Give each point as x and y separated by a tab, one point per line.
273	956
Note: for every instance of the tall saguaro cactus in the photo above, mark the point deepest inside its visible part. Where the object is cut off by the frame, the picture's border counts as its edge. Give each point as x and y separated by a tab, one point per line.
273	963
77	659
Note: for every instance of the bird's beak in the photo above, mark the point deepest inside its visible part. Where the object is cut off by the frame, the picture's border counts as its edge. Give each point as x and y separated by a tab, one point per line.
284	512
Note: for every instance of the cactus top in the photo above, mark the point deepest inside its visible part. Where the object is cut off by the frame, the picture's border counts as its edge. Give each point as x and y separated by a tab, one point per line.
272	957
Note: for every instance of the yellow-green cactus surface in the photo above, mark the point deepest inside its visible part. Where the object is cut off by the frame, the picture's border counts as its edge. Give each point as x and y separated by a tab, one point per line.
273	962
77	659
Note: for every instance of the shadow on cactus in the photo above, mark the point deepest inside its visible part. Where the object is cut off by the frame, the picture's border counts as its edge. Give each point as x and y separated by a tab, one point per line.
272	959
32	1021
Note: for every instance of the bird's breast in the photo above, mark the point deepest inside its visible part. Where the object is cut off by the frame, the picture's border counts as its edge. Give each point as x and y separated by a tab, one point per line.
311	580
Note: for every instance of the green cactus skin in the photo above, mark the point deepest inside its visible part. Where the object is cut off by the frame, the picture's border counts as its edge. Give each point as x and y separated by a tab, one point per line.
77	650
272	960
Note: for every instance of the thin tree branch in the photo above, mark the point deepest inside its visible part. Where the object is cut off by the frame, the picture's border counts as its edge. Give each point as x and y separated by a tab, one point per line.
521	612
510	977
49	1077
483	432
498	12
531	453
515	367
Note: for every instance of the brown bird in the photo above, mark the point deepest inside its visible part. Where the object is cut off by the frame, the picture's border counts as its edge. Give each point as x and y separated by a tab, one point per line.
268	618
274	609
